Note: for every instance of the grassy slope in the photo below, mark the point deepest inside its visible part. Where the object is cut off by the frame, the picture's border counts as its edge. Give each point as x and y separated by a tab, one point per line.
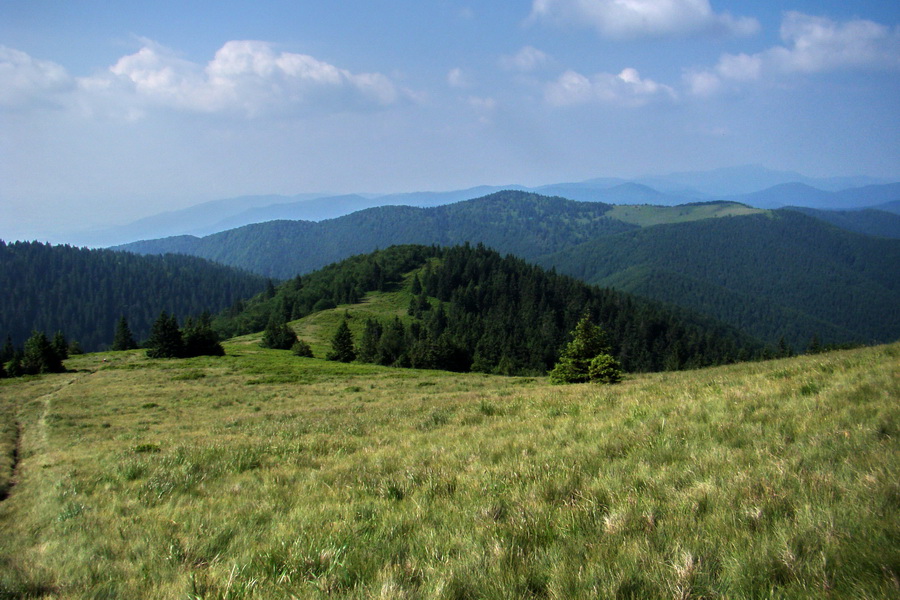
646	215
318	328
261	475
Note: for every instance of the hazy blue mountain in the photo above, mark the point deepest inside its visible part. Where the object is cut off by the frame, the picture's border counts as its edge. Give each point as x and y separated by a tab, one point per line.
869	196
746	179
311	209
200	219
752	185
619	193
786	194
891	207
800	194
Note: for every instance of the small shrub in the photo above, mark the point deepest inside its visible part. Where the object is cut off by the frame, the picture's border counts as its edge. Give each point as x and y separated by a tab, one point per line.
141	448
301	348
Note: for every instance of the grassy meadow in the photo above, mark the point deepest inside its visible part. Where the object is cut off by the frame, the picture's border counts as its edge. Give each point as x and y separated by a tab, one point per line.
264	475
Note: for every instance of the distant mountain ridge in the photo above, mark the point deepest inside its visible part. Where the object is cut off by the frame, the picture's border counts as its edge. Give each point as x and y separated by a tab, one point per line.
528	225
754	185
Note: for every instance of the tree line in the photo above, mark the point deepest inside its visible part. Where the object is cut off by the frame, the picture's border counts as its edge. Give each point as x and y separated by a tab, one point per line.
84	291
473	309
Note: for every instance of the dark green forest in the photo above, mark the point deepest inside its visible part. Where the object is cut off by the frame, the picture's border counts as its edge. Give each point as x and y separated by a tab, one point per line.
779	275
476	310
527	225
84	292
867	221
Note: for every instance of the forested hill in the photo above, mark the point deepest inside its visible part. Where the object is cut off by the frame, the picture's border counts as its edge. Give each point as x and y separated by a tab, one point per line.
470	308
869	221
780	274
773	274
527	225
84	292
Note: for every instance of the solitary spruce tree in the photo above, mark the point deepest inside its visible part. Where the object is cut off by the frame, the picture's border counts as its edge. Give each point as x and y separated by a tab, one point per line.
587	357
165	338
342	345
123	338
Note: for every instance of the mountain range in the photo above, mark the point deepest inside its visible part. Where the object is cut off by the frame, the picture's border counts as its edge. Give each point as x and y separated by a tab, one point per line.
752	185
771	273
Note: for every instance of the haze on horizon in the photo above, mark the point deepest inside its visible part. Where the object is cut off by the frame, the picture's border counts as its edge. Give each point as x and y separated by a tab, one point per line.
109	116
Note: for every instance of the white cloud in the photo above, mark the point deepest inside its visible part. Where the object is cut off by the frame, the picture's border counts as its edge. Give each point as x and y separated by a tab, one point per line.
817	44
27	82
812	45
625	89
248	77
525	60
456	78
643	18
245	77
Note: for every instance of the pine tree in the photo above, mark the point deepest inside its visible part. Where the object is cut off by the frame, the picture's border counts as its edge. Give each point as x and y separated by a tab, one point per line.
587	357
200	339
277	334
165	338
342	344
123	338
815	345
14	366
368	343
8	351
60	345
39	356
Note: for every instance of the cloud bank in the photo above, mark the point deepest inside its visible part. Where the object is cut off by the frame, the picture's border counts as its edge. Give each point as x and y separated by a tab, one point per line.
626	19
811	45
27	82
248	78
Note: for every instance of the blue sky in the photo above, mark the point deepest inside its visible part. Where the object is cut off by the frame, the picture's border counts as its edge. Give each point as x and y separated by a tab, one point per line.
110	115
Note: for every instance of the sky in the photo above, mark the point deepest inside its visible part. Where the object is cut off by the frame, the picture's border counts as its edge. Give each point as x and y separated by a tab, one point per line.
109	114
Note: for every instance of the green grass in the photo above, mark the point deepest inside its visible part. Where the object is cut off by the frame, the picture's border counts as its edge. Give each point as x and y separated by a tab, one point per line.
318	328
646	215
273	476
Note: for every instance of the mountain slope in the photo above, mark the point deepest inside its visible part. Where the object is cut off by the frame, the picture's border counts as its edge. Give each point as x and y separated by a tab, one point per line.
469	308
83	292
801	194
521	223
786	262
868	221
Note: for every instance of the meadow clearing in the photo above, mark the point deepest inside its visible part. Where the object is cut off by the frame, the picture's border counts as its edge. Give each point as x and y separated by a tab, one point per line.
263	475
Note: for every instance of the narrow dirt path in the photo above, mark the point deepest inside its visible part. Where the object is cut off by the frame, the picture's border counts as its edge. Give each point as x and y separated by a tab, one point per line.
16	455
14	467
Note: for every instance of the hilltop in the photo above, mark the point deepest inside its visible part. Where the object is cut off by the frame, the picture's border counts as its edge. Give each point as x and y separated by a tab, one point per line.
468	308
